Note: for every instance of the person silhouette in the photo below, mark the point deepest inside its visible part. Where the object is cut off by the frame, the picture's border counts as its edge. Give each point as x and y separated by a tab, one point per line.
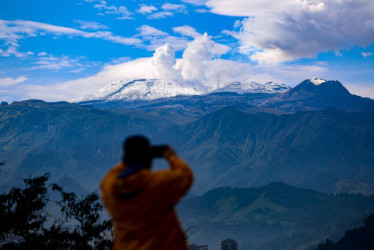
141	201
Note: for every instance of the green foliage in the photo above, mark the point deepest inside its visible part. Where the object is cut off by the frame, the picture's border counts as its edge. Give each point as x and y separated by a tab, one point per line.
86	212
23	219
22	210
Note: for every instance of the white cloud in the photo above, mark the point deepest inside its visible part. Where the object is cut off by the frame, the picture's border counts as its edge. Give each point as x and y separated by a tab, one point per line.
200	67
291	29
12	31
149	31
177	43
187	30
158	38
7	81
119	60
79	70
169	10
202	10
173	7
43	53
13	50
55	63
146	9
120	11
365	90
91	25
195	2
162	14
367	54
138	68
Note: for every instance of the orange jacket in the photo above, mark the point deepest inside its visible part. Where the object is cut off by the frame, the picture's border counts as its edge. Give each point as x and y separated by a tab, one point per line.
142	206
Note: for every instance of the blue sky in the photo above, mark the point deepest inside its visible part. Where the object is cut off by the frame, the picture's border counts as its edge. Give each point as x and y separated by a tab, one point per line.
60	50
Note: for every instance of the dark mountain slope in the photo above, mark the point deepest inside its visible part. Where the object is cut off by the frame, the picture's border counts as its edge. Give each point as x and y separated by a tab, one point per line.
327	150
69	140
310	96
276	216
356	238
330	151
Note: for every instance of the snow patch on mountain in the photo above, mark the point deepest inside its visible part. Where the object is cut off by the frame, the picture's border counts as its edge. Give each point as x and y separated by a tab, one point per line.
150	89
140	89
253	87
317	81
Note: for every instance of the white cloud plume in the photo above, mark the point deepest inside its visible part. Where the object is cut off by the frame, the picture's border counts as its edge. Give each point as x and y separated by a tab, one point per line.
146	9
7	81
291	29
164	62
196	62
186	30
196	58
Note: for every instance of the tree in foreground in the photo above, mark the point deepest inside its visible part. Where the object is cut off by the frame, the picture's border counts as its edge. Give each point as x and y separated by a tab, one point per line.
23	219
90	230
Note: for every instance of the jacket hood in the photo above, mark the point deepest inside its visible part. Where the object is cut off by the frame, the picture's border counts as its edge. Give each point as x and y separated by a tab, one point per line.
134	183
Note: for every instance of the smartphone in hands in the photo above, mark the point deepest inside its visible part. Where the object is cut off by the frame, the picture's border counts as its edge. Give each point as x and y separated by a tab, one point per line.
158	151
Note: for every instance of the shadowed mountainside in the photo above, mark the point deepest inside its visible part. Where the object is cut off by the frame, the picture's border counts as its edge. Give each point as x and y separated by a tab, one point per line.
329	151
276	216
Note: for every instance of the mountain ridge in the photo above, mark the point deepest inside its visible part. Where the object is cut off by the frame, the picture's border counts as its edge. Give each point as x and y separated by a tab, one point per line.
151	89
328	150
311	94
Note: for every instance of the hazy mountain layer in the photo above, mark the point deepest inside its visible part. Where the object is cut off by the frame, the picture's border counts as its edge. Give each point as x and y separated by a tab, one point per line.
69	140
276	216
329	151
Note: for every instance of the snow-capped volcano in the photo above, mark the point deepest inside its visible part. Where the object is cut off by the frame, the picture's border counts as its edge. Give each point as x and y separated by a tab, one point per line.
139	89
151	89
